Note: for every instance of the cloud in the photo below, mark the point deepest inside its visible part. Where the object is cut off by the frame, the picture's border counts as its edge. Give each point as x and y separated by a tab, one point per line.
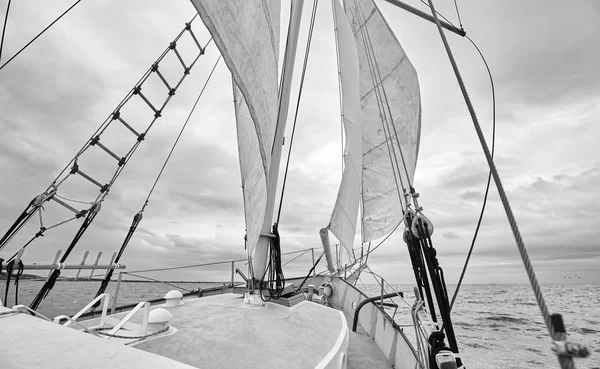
59	91
451	235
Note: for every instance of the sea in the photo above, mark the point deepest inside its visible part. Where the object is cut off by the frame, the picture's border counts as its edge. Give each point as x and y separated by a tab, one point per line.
497	325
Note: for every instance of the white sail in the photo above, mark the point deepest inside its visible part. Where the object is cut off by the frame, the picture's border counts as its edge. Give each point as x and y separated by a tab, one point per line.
389	88
247	35
345	212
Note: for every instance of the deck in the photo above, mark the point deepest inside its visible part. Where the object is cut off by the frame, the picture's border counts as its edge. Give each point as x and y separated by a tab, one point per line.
219	332
211	332
35	343
363	352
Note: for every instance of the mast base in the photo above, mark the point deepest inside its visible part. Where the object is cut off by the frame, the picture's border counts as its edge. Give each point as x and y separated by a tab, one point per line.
253	300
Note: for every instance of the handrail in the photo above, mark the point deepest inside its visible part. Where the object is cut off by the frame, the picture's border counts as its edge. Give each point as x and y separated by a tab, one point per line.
207	264
23	309
71	266
146	306
371	299
238	271
70	320
105	297
231	262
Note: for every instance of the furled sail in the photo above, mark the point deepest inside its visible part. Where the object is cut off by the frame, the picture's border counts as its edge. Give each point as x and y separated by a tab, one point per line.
345	212
247	35
391	105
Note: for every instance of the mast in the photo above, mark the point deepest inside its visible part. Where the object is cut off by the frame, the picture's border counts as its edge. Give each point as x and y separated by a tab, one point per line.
259	256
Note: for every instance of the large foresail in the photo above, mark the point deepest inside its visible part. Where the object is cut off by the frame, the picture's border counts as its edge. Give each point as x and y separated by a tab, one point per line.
345	212
390	101
247	35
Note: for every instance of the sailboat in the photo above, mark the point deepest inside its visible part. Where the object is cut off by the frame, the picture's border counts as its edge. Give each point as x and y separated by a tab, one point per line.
321	320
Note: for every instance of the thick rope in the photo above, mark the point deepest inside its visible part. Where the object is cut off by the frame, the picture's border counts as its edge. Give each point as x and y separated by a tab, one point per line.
38	35
4	28
511	218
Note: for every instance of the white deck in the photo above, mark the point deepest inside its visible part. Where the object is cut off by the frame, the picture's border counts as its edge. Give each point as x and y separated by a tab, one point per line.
214	332
35	343
219	332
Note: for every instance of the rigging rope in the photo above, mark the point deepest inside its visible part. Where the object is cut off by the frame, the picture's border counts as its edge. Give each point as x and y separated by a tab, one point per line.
439	286
387	104
458	15
438	13
50	192
181	131
75	201
487	187
138	217
566	362
38	35
109	119
337	53
378	88
154	280
306	53
47	287
275	283
4	28
309	272
382	241
9	273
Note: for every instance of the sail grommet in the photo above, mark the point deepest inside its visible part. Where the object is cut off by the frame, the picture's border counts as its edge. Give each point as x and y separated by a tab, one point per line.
421	226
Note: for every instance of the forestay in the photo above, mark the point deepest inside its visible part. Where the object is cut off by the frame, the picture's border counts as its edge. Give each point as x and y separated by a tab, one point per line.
247	35
389	92
345	212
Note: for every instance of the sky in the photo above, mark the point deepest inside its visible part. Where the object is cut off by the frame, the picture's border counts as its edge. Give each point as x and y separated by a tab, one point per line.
542	54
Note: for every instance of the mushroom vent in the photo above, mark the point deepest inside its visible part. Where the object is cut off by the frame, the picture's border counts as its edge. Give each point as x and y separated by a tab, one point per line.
173	298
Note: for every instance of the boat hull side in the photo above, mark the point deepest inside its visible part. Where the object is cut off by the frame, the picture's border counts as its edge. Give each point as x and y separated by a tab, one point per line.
377	323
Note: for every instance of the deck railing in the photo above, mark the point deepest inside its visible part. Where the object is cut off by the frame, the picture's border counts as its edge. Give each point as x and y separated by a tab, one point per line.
67	266
232	265
104	298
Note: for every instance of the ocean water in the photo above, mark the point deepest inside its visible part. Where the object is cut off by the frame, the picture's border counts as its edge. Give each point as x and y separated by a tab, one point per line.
500	326
497	326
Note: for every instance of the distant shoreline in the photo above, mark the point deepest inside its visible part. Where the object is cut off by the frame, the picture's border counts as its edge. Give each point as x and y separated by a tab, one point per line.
34	277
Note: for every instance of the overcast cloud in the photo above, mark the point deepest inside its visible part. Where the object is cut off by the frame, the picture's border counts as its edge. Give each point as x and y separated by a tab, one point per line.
544	57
